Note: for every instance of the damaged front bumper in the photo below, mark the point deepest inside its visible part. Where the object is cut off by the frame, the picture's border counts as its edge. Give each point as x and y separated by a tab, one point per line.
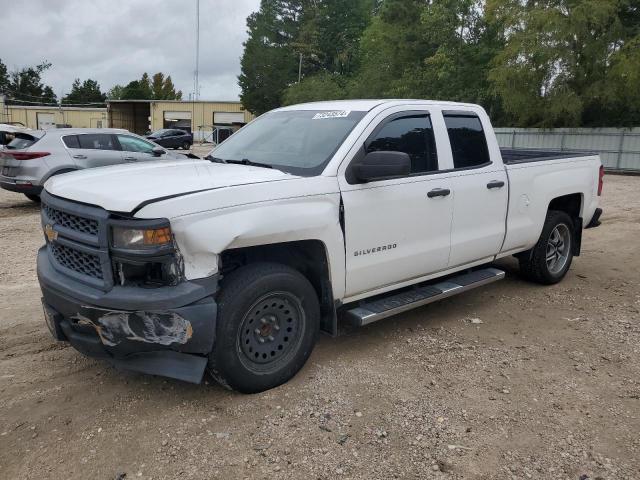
166	331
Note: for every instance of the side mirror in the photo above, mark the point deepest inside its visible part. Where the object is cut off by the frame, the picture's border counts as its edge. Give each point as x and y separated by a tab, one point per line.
381	165
158	151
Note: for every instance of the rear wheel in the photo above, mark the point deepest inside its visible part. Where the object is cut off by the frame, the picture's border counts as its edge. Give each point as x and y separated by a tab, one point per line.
32	197
549	260
186	145
267	325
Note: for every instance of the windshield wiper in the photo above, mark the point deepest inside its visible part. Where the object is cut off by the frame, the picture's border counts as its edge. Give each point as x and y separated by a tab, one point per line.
215	159
246	161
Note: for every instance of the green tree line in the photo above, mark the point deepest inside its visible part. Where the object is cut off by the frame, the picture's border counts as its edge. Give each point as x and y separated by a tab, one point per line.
530	63
25	86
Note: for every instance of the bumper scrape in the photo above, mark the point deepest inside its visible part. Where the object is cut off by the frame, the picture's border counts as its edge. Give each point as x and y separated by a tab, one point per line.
113	327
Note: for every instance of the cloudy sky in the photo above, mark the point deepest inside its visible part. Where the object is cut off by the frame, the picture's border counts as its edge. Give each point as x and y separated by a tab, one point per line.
115	41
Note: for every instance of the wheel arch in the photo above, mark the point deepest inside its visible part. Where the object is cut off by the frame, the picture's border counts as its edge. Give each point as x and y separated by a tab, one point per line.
309	257
572	204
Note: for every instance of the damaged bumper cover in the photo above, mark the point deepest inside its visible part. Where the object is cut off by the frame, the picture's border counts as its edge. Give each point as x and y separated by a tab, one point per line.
164	331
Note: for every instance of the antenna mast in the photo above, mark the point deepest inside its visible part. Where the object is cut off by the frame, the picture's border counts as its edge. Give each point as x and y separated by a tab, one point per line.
196	89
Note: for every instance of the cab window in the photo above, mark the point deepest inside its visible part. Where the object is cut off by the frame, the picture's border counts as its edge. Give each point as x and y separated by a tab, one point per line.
411	134
468	141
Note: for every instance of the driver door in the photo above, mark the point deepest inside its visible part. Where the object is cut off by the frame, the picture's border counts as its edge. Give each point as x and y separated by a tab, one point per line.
398	229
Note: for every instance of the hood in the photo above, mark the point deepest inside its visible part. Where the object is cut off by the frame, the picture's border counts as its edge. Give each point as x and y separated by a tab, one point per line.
122	188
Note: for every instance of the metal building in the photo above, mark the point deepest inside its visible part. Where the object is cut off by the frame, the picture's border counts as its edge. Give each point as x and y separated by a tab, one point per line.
200	117
44	117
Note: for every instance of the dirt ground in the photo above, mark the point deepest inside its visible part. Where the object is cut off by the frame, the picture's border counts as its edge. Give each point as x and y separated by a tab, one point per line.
546	386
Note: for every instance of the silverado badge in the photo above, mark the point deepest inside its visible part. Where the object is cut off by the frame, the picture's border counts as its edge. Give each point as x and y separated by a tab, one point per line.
51	234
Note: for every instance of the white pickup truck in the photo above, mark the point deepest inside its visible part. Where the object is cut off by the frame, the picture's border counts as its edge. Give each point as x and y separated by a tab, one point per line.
350	210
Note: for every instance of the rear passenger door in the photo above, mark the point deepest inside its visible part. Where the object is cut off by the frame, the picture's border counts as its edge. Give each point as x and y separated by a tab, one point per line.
480	191
90	150
136	149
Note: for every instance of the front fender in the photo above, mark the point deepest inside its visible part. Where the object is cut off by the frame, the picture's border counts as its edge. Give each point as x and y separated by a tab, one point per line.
309	209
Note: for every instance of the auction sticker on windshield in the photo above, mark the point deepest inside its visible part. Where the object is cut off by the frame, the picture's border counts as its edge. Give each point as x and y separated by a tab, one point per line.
332	114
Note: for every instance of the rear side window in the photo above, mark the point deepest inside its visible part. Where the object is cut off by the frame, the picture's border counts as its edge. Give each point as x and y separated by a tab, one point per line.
97	141
71	141
468	141
413	135
22	141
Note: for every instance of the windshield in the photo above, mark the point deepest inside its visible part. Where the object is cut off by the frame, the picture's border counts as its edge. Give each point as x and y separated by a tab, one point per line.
295	141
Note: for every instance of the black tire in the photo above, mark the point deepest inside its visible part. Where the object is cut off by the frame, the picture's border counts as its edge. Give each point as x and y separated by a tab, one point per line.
534	264
33	197
186	146
284	305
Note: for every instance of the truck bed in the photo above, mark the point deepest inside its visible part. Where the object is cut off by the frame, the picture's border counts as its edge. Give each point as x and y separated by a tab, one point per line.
524	155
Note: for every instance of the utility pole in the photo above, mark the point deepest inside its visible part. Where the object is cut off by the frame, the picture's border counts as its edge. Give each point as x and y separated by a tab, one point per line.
300	69
196	90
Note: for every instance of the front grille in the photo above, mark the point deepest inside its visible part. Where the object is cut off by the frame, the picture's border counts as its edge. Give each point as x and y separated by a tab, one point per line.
77	240
70	221
77	261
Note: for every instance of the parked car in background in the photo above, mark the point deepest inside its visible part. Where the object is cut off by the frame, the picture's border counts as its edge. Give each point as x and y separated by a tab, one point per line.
32	157
172	138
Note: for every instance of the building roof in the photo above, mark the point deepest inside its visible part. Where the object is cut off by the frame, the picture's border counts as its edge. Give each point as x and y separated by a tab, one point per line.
174	101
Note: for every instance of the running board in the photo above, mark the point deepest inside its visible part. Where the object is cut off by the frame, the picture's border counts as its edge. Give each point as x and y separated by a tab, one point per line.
371	311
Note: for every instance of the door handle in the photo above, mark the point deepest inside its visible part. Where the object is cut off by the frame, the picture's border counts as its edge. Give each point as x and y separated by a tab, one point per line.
438	192
495	184
130	159
80	157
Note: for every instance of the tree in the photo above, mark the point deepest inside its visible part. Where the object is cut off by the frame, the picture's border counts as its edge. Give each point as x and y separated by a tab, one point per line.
529	63
288	38
389	46
323	86
158	87
270	62
163	89
25	85
457	46
4	77
567	62
115	93
340	26
136	90
86	92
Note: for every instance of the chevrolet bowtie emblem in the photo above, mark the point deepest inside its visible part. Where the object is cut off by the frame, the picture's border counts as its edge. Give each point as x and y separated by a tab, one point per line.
50	233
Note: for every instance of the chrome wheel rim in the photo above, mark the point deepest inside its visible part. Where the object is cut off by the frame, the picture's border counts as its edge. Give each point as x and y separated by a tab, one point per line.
558	248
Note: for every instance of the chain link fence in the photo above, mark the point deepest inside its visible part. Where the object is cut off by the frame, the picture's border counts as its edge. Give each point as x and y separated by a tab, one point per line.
618	148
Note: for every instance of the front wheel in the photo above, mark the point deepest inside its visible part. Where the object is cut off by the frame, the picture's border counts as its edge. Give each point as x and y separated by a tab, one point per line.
268	323
186	145
549	260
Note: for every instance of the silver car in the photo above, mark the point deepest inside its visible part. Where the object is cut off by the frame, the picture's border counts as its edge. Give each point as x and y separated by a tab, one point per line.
32	157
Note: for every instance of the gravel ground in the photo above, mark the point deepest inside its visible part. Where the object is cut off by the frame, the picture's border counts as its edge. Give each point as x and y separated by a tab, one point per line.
509	381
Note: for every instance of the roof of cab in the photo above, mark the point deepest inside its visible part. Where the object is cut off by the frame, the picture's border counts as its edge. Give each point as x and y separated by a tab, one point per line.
367	105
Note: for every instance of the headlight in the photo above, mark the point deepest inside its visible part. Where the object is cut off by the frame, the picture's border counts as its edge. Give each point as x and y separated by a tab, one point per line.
141	238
